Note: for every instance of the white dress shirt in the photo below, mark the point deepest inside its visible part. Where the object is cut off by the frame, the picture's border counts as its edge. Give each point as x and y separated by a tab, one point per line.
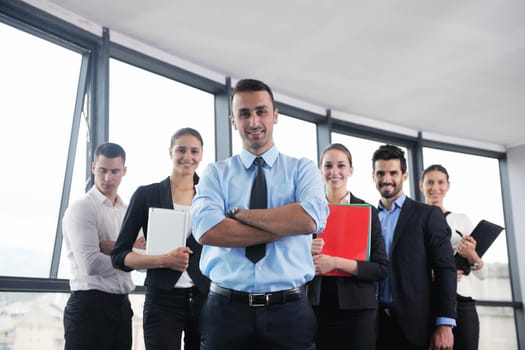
461	222
185	280
86	222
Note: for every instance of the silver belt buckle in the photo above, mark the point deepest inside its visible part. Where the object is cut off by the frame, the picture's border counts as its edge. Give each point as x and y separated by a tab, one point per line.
253	302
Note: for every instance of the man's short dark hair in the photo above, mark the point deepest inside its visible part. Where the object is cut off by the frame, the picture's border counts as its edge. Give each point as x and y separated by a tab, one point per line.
388	152
252	85
110	150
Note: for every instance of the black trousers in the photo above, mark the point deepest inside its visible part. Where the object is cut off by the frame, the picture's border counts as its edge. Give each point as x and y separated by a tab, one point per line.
345	329
466	332
95	320
167	314
230	324
390	335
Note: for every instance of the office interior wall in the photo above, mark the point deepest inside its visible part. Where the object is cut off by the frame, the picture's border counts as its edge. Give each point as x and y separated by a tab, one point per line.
516	169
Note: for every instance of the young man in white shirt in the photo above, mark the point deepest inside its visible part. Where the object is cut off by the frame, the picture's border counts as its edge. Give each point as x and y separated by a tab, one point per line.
98	313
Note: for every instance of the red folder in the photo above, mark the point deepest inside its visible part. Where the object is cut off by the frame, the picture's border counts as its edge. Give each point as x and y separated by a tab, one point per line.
347	233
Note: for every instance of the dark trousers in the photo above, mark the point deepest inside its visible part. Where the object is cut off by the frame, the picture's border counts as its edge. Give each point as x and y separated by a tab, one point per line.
345	329
167	314
230	324
95	320
466	332
390	335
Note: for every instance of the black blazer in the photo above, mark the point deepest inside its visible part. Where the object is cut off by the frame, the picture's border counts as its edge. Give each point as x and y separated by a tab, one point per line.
156	195
422	270
358	292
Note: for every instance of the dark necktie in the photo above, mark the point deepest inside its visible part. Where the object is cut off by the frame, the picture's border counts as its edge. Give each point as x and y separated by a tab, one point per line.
258	200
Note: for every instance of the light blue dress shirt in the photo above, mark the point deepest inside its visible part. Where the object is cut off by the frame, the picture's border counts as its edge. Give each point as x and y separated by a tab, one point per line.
227	184
388	220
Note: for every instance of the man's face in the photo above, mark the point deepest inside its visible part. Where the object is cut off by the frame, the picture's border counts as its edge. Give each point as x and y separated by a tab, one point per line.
253	115
389	178
108	174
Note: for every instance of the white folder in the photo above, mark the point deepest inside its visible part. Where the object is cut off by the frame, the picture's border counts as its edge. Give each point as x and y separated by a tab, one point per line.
166	230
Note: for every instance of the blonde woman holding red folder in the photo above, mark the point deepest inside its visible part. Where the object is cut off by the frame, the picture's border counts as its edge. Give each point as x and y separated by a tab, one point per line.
345	306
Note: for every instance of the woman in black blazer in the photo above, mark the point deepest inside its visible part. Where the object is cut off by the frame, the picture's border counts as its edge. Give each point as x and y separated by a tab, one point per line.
346	307
175	287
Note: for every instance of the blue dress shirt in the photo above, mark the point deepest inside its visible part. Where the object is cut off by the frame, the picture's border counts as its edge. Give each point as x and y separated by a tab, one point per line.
226	184
388	220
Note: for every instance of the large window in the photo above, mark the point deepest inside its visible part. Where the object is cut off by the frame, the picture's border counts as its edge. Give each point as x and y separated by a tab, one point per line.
33	321
475	189
145	110
38	86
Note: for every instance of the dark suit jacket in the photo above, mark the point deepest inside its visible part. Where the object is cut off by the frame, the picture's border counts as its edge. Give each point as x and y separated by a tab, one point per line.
358	292
420	249
156	195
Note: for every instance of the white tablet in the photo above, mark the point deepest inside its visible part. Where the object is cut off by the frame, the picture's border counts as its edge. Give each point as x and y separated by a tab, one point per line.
166	230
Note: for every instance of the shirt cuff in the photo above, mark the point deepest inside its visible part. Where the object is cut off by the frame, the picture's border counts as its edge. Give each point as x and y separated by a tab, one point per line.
445	321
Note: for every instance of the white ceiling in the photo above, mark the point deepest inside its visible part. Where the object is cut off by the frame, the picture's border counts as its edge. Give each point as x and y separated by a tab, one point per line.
448	67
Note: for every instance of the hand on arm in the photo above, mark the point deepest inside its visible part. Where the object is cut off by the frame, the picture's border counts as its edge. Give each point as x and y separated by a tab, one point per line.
325	263
91	254
177	259
140	243
254	226
232	233
106	246
317	245
467	249
288	220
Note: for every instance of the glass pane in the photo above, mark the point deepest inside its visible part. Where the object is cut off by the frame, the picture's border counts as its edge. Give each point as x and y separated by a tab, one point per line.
78	187
145	110
361	183
38	86
293	137
497	329
34	321
479	197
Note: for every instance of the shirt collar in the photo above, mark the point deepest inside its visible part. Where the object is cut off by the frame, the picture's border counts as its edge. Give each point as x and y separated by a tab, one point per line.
101	198
398	203
270	156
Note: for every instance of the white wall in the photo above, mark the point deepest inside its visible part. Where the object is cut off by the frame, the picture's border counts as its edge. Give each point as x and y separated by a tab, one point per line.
516	172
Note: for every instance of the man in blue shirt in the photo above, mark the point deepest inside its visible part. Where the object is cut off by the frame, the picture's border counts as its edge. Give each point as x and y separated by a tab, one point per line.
262	304
417	300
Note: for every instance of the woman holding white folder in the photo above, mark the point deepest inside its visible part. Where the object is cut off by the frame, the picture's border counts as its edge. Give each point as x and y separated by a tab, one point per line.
435	185
345	306
175	287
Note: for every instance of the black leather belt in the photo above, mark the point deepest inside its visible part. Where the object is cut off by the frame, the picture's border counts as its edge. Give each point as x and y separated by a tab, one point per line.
172	292
260	299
